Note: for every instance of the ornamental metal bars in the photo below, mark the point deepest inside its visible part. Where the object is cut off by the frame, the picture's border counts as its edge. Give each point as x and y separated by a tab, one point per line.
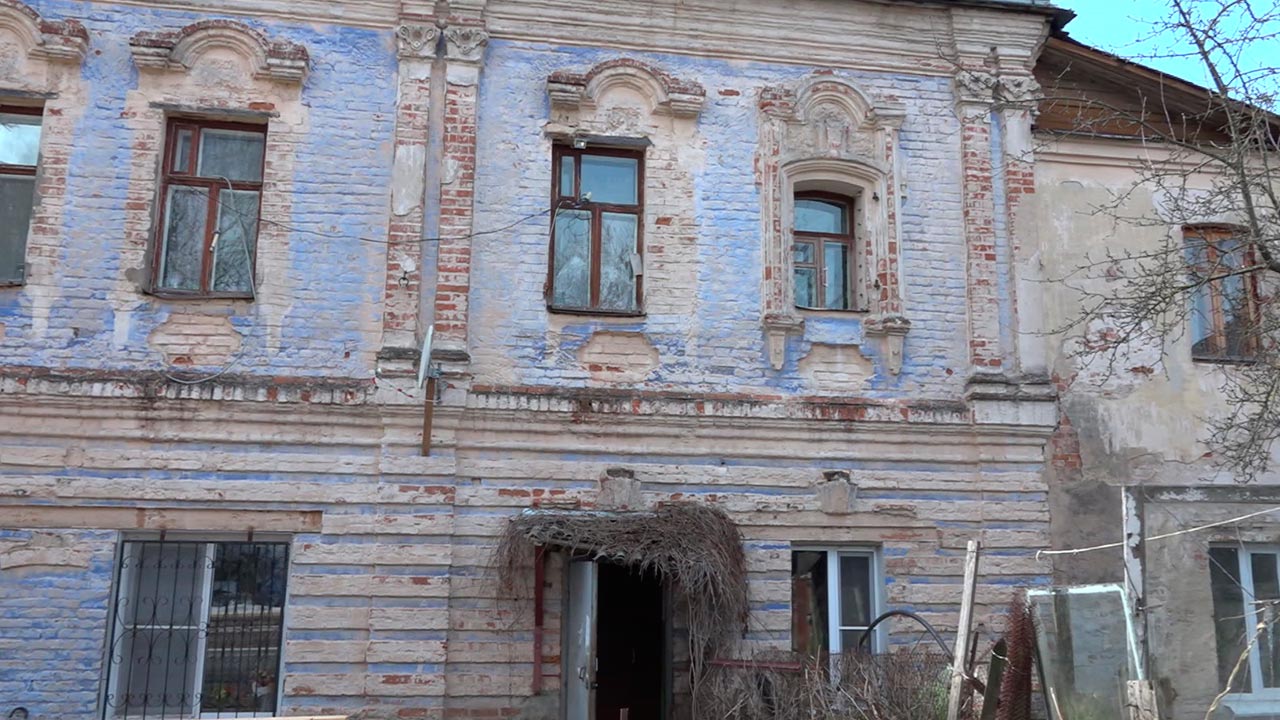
196	630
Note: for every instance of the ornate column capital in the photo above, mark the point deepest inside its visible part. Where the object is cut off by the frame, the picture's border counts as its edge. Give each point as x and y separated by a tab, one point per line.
417	41
465	44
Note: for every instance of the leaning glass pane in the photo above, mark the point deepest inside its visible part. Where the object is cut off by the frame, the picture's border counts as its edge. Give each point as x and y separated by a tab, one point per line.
836	259
19	139
571	270
242	649
182	151
855	590
182	254
610	179
1203	342
617	273
820	216
566	176
1228	615
17	195
1266	594
806	287
237	238
231	154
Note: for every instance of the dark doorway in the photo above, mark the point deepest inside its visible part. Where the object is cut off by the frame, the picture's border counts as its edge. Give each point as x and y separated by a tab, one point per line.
632	648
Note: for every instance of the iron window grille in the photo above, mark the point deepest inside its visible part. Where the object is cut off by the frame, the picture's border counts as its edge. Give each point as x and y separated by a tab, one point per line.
197	629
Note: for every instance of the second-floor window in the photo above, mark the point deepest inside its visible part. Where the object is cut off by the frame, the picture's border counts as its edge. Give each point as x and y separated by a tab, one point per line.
597	207
19	155
824	252
210	198
1224	308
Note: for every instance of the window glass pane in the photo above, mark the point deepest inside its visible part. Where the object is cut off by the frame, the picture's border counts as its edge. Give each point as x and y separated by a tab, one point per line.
168	585
1228	613
181	258
159	667
804	253
19	139
806	287
836	264
17	195
820	216
617	274
610	179
809	603
182	151
242	650
855	590
237	236
566	176
851	642
1266	588
233	154
571	271
1202	332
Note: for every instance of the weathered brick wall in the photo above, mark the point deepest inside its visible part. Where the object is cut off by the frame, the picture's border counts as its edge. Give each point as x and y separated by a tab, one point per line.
55	589
319	311
702	287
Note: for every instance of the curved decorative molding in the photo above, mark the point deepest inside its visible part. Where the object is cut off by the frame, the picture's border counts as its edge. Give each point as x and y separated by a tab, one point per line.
180	50
417	41
667	95
465	44
65	40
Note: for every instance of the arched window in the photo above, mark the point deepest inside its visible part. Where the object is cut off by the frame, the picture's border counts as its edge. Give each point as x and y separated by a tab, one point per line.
823	247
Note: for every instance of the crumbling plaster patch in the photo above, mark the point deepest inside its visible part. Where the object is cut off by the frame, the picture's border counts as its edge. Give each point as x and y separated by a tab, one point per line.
43	550
618	357
836	368
191	338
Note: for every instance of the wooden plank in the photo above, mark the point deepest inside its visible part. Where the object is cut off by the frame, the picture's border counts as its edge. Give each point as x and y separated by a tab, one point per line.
959	682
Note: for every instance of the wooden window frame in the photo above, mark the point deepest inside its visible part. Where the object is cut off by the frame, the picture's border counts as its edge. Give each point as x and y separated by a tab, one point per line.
560	200
214	186
1207	267
819	240
23	170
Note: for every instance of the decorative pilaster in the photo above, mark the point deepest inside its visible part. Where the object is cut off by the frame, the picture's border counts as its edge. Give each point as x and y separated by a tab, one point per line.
416	44
1018	99
974	99
464	55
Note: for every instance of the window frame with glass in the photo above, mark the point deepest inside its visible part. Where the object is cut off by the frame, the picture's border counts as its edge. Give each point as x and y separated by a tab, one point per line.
1237	599
1212	266
844	236
12	173
183	170
188	616
593	205
833	575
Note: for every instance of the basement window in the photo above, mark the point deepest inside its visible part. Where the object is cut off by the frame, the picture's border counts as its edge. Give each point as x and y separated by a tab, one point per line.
1245	582
211	193
597	205
834	598
19	157
197	629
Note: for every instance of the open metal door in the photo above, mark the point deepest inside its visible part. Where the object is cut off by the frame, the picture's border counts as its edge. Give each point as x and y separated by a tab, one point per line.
580	650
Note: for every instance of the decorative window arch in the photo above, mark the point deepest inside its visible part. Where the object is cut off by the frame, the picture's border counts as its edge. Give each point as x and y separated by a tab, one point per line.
824	134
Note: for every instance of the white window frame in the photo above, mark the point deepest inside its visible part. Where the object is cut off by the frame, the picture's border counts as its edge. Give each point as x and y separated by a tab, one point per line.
1260	700
879	637
127	574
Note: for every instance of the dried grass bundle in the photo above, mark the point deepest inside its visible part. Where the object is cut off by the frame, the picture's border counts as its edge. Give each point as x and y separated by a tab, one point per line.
693	546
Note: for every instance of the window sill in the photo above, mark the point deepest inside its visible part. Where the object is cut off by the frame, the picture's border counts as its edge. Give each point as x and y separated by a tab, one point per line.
596	313
828	312
1214	360
11	284
179	295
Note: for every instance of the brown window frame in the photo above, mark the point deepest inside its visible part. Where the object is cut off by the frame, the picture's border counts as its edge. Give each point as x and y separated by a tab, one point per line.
25	171
169	177
562	201
819	240
1209	269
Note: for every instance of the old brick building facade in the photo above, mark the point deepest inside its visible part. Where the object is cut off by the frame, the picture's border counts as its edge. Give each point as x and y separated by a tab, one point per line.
245	218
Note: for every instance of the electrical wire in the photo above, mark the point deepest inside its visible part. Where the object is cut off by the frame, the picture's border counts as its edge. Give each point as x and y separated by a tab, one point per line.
1164	536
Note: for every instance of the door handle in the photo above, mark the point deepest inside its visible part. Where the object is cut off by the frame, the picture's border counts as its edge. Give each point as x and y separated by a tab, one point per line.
582	675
